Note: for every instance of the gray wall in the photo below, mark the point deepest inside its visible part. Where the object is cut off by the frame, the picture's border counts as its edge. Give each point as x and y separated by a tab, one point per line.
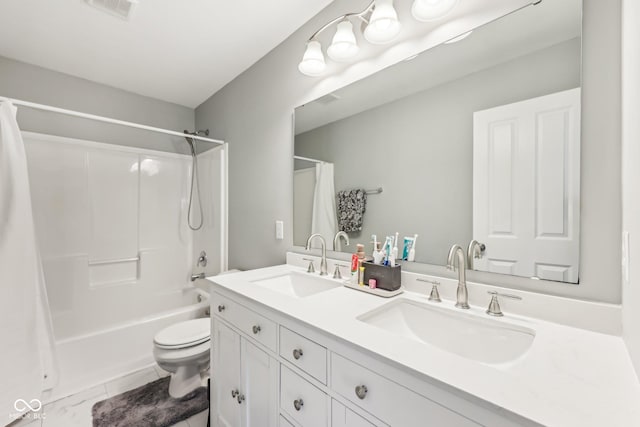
254	114
30	83
420	149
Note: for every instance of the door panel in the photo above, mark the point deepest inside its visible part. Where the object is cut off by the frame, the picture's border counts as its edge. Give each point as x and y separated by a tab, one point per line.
259	385
526	189
226	376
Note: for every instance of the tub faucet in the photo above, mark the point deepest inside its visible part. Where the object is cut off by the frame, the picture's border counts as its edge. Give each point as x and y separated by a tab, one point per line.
337	237
457	260
323	262
195	277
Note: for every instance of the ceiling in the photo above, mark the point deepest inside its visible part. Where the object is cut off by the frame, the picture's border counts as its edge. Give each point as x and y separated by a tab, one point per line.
528	30
176	51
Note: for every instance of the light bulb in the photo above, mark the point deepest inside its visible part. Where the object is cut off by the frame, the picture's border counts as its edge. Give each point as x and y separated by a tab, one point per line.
383	25
343	46
432	10
312	63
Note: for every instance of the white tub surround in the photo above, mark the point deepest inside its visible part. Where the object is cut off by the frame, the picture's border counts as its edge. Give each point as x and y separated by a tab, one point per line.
568	377
116	249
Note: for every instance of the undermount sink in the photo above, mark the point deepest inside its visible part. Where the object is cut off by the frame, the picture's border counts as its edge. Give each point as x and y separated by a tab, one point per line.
298	285
481	339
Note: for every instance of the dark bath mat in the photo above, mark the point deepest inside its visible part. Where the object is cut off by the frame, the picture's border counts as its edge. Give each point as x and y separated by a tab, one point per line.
148	406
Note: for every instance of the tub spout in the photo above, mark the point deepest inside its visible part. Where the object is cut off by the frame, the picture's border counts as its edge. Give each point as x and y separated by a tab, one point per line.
195	277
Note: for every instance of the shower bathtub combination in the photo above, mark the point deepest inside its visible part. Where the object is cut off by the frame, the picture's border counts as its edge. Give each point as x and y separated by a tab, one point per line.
118	230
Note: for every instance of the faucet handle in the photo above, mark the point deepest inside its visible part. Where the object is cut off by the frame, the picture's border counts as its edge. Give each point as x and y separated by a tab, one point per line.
434	295
202	259
336	273
311	268
494	305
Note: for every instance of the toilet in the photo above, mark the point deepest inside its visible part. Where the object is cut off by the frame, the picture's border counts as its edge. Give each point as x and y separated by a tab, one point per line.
184	350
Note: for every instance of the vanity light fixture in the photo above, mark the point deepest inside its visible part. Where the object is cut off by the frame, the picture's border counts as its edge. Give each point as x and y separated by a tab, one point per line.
381	26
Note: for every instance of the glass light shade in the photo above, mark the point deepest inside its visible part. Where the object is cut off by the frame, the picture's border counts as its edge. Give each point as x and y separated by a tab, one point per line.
432	10
383	25
343	46
312	63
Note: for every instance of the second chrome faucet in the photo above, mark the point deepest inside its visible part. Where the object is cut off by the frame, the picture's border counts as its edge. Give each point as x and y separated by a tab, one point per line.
456	259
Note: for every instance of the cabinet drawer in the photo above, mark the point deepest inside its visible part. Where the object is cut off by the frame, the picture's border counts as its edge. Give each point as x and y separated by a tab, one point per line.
387	400
311	408
305	354
251	323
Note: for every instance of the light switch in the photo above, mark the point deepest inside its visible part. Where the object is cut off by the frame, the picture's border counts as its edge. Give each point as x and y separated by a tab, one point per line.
279	230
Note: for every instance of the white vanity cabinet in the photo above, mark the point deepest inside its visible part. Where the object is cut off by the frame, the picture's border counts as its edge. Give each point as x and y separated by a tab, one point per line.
293	376
243	390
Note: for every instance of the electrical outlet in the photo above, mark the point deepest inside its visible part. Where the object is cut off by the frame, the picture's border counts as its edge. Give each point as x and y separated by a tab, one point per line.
279	230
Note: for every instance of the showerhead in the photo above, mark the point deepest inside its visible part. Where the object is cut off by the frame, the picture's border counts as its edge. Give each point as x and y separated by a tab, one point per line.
190	141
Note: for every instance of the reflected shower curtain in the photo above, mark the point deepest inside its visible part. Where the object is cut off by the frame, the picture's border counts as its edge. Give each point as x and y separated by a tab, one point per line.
25	336
324	219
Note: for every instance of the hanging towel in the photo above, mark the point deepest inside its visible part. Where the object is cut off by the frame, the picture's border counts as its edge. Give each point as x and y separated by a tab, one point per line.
351	207
23	328
323	220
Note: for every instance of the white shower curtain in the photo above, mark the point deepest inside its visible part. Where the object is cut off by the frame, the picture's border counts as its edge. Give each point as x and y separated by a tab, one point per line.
24	330
324	220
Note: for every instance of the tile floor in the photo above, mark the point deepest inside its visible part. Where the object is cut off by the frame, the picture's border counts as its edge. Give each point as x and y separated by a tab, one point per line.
75	410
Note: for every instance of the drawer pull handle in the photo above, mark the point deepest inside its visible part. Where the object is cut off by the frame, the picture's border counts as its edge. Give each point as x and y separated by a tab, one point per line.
361	391
297	353
298	404
240	398
234	393
221	308
256	329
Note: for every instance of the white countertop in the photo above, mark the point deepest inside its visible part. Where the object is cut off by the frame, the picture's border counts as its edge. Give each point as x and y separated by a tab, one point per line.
569	376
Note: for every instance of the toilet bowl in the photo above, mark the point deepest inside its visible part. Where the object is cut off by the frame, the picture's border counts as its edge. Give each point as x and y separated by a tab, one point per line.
183	349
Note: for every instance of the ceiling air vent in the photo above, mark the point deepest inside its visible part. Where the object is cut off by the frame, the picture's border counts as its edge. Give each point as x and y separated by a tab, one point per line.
121	8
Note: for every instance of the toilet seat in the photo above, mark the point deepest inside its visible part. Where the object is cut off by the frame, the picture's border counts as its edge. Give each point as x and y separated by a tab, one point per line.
184	334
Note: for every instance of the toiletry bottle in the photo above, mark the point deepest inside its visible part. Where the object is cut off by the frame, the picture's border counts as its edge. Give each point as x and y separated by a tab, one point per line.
361	256
354	269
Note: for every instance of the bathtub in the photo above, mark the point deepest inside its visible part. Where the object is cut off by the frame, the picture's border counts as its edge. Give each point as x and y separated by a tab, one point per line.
95	358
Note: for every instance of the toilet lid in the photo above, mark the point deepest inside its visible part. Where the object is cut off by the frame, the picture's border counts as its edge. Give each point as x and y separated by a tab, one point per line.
184	334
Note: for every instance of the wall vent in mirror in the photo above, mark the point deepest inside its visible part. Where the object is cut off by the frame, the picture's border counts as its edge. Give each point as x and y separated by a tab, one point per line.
478	140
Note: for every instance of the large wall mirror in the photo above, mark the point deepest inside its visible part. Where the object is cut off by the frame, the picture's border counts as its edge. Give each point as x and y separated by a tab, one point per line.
475	139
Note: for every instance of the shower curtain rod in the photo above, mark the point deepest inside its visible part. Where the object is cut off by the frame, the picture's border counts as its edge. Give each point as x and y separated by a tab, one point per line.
105	119
308	159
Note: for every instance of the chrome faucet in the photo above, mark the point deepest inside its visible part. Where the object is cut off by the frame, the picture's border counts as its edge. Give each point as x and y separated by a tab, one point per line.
195	277
455	260
337	237
323	262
